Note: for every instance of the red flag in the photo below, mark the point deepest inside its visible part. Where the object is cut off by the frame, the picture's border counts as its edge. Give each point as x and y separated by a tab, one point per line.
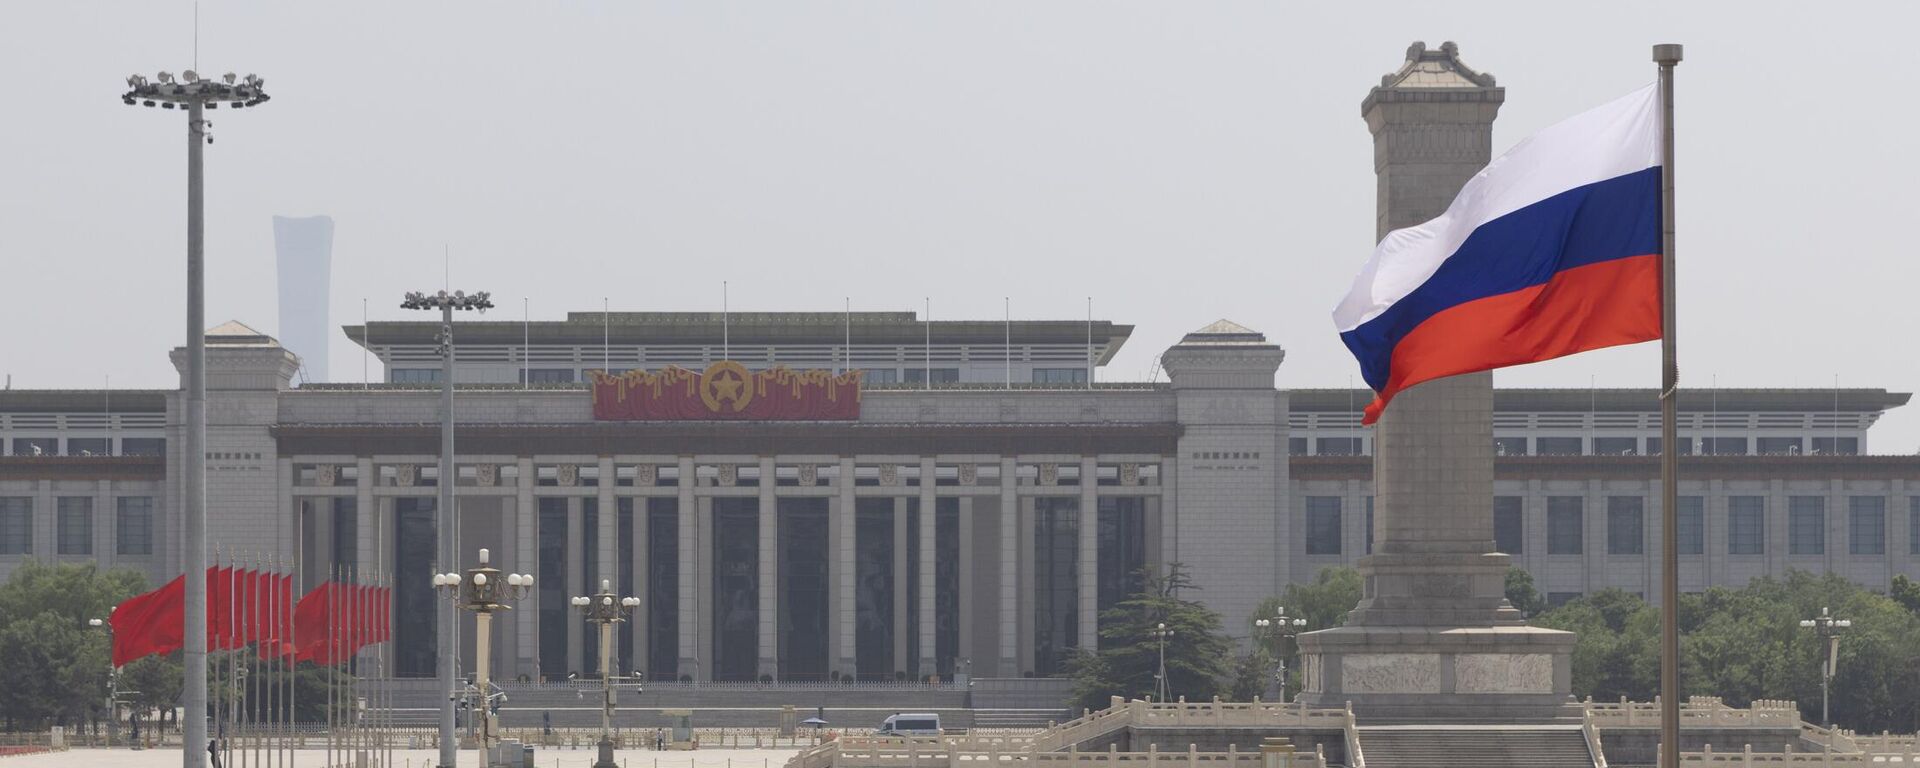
150	623
276	609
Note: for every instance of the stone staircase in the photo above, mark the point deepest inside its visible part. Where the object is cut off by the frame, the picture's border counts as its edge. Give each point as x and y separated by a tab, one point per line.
1470	746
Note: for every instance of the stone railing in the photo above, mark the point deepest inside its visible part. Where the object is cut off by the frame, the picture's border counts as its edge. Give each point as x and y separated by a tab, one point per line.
1843	740
1747	758
1057	746
1592	736
1350	729
1695	712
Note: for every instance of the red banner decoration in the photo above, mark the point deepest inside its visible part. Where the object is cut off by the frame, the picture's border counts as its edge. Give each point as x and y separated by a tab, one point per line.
726	391
149	624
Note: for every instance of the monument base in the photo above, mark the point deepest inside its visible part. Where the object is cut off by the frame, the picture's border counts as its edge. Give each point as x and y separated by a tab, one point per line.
1498	674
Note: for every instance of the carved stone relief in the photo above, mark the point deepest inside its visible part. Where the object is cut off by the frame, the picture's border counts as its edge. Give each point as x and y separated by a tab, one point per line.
1503	673
1390	673
405	475
889	475
486	475
729	475
809	474
568	474
325	474
1130	474
646	475
1049	474
969	474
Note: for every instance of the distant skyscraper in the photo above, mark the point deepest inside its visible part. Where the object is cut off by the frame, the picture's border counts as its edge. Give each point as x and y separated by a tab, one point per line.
305	249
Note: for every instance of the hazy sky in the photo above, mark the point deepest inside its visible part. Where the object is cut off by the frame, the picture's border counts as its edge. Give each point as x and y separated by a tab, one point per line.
1178	162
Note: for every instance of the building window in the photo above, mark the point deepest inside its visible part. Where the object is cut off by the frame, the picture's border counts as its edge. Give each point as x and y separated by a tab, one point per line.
1323	525
1723	446
1626	525
1913	526
1825	446
133	526
1509	446
89	446
1337	446
1508	525
1557	446
880	376
1296	446
36	446
1563	525
940	375
1050	375
16	525
1746	525
1692	522
1777	446
143	446
1616	446
1557	599
545	376
1653	446
414	376
73	525
1867	525
1806	525
1369	525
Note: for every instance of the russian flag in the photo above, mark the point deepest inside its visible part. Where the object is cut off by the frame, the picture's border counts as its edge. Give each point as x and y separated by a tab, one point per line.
1552	249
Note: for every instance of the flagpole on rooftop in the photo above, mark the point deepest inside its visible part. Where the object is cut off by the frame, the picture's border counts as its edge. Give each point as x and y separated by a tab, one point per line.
1668	56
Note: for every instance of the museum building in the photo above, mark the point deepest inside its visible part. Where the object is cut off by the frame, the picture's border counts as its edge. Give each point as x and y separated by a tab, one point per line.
808	496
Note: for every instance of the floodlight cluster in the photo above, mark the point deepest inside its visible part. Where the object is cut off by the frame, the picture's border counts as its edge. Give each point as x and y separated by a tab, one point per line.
168	92
478	300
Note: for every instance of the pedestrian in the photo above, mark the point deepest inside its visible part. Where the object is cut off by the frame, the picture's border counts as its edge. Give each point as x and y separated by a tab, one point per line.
213	752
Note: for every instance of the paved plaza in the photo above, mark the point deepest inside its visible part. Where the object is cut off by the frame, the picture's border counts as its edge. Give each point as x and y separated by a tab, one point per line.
423	758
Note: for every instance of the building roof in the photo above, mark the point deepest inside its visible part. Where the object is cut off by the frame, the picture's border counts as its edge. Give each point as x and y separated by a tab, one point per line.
749	328
83	400
1224	333
234	333
1636	400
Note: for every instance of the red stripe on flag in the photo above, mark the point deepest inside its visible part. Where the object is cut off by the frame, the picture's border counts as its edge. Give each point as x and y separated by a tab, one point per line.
1589	307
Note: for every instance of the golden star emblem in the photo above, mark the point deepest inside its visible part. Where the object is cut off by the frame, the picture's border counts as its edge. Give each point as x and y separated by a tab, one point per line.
726	382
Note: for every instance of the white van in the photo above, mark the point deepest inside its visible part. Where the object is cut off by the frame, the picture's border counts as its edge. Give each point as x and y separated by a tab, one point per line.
911	724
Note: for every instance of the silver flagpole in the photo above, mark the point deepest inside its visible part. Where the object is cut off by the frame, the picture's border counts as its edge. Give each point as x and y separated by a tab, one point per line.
1089	342
1668	56
726	329
1006	320
927	349
846	346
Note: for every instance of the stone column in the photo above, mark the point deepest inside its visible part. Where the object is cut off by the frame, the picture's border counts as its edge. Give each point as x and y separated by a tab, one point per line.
1433	566
106	521
929	518
769	582
965	625
576	570
901	630
708	645
844	556
1170	511
1087	627
689	611
1009	571
642	581
526	614
607	560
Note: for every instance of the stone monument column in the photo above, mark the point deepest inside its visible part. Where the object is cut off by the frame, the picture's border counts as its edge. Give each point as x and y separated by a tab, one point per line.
1433	637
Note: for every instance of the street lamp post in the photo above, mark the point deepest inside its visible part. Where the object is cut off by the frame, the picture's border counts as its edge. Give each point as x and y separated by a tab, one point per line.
483	591
443	518
195	95
1281	627
606	609
1830	628
1160	633
113	684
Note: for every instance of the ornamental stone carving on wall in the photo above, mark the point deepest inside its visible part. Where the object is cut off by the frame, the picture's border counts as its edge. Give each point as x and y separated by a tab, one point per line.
1049	474
969	474
486	475
889	475
729	475
568	475
646	475
405	475
325	474
1390	673
1503	673
1130	474
809	474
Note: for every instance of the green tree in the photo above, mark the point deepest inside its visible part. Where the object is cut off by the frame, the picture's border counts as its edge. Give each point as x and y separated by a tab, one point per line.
1746	644
53	666
1198	653
1906	592
1324	602
1521	594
